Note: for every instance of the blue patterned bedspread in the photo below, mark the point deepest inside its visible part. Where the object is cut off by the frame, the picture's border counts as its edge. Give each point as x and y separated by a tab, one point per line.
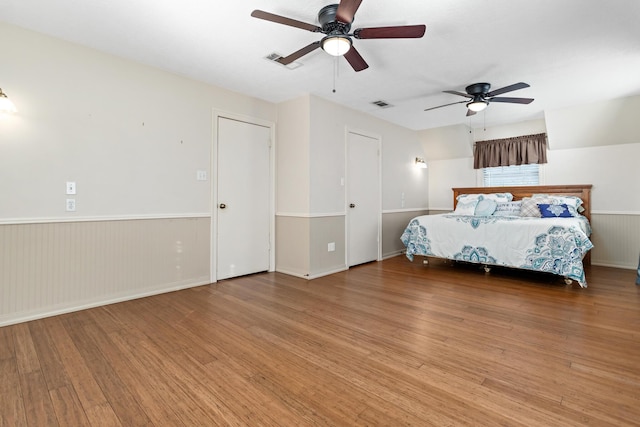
551	245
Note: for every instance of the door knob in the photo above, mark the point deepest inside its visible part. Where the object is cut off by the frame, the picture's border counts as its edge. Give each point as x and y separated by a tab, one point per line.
222	206
352	206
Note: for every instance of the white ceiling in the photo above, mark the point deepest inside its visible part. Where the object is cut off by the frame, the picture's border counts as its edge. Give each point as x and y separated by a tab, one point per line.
569	51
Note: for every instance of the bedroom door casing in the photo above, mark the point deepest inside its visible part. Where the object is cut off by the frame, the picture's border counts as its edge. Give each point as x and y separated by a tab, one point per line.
242	217
363	198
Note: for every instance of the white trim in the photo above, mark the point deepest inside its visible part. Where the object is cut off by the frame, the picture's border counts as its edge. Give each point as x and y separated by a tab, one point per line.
327	273
310	215
11	221
216	115
312	276
347	130
604	264
394	254
615	213
34	315
391	211
292	273
449	209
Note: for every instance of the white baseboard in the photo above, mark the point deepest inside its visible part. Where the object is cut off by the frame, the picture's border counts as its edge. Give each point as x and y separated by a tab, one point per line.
15	318
604	264
310	276
393	254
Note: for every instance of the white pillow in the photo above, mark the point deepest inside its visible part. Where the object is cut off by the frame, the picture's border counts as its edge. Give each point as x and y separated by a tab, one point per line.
530	208
466	208
497	197
508	209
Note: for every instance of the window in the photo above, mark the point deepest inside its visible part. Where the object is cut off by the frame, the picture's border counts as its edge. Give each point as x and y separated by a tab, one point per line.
504	176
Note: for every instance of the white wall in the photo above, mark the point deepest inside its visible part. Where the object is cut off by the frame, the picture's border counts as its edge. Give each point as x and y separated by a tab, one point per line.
447	142
598	144
400	147
293	157
595	124
449	152
130	136
529	127
445	175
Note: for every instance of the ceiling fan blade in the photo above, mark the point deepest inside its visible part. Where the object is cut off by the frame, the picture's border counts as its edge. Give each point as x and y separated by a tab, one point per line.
470	112
286	60
346	10
445	105
398	32
512	100
285	21
506	89
455	92
355	60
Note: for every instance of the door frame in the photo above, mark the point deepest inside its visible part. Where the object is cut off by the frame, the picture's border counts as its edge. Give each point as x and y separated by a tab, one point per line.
378	138
217	114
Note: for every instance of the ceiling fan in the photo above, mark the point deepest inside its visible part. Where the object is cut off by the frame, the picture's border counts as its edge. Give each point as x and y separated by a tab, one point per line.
335	23
479	96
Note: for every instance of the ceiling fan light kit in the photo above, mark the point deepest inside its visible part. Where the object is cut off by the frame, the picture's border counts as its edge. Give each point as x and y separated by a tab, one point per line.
336	45
477	105
335	23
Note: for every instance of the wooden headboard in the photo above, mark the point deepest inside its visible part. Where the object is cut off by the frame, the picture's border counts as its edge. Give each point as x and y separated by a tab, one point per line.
582	191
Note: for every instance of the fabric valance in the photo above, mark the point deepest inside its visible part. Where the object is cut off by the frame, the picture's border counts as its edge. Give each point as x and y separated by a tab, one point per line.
520	150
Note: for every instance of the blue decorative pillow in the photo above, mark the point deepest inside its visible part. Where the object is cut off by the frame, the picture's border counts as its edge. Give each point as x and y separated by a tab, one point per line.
485	207
554	211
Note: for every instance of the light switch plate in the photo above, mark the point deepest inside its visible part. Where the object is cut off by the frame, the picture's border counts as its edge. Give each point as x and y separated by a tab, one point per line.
201	175
71	187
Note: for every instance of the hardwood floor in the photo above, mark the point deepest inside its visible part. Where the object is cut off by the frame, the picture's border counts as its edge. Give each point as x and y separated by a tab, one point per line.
389	343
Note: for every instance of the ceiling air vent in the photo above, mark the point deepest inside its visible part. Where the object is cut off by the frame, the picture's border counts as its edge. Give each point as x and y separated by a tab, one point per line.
382	104
274	56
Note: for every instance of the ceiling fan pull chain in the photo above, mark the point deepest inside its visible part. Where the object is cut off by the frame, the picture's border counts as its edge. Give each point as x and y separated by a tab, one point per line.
335	73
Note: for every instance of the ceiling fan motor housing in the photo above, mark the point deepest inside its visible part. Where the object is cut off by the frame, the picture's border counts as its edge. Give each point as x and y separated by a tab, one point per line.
478	89
327	20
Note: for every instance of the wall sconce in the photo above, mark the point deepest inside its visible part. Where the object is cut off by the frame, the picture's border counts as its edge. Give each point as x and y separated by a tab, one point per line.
420	163
6	106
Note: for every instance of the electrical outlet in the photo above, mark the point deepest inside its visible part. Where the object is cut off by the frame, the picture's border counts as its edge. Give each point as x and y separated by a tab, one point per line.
71	205
331	247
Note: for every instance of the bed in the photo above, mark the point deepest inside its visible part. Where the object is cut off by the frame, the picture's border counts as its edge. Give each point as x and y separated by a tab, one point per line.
556	243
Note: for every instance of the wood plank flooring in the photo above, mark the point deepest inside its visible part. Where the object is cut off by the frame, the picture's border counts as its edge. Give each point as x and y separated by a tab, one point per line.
390	343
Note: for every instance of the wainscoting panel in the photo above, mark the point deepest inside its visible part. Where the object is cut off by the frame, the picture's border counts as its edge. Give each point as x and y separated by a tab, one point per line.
393	225
51	268
616	239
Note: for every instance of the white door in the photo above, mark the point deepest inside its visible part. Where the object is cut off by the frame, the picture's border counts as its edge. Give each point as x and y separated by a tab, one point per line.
243	195
363	198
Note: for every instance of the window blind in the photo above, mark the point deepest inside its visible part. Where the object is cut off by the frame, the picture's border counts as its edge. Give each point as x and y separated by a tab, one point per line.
504	176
